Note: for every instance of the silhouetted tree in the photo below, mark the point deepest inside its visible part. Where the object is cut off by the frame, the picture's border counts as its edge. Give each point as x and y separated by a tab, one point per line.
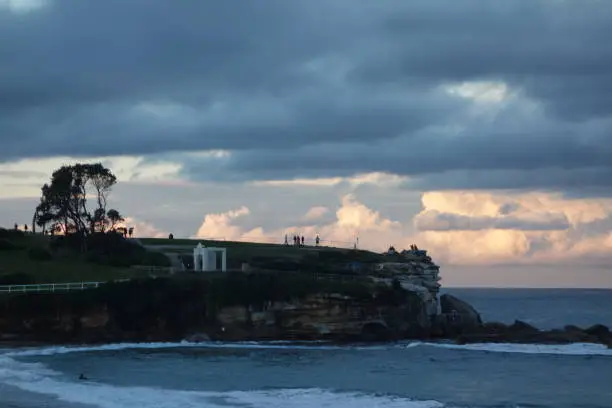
64	199
114	218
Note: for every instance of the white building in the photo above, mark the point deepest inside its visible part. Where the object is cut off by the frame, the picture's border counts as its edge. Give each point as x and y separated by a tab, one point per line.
205	258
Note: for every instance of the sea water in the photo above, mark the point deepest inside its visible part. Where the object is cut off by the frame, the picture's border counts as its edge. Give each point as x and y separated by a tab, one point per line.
274	375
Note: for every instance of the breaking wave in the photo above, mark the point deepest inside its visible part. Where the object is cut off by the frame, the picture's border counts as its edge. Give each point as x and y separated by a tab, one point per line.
35	377
576	349
277	345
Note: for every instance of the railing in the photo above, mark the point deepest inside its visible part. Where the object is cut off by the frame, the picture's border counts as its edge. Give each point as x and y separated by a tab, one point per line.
49	287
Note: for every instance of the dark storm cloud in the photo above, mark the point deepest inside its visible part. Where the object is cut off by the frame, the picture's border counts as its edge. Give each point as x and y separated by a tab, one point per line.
554	50
311	88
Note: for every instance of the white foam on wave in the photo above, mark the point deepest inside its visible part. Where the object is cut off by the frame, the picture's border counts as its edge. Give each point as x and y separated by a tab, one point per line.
574	349
48	351
35	377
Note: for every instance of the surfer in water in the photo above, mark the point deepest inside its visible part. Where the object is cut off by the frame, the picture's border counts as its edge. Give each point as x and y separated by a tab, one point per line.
82	377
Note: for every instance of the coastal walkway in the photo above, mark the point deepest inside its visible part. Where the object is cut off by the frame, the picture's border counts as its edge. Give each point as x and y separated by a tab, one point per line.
50	287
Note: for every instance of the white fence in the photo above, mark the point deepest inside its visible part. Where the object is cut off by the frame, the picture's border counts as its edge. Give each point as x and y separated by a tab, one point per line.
49	287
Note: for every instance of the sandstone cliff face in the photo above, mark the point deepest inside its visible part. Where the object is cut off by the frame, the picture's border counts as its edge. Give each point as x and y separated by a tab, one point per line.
321	316
329	317
416	274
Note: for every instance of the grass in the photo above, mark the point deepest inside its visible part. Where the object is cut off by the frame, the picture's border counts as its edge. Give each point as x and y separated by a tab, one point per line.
239	251
74	269
58	269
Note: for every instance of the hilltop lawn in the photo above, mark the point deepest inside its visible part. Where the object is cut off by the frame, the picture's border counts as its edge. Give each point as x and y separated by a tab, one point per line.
28	255
60	270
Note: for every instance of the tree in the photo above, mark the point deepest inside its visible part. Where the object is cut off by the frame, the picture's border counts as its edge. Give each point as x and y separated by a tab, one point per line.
114	218
64	200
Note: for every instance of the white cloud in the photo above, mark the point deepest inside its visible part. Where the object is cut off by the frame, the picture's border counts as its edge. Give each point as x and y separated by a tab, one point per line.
353	219
24	178
315	213
221	226
482	228
375	178
143	229
480	91
461	243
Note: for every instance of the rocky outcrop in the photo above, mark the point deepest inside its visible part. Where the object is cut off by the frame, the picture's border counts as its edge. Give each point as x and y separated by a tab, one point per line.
521	332
459	311
416	273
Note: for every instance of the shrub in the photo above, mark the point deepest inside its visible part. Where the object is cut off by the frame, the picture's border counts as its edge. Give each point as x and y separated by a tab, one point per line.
39	254
10	233
19	278
6	245
105	248
154	258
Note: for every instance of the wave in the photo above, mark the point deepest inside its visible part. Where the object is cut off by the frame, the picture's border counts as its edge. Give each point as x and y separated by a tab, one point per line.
575	349
275	345
35	377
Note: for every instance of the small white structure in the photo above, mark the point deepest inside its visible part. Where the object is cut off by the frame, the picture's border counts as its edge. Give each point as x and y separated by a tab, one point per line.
205	259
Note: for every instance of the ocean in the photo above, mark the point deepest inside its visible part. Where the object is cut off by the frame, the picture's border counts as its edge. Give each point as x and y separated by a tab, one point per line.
285	375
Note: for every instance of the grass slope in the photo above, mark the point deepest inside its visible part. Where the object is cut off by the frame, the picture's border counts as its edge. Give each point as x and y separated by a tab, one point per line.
17	260
240	251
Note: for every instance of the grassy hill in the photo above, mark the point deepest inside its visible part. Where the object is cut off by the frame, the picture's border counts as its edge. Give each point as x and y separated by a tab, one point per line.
31	258
239	252
34	258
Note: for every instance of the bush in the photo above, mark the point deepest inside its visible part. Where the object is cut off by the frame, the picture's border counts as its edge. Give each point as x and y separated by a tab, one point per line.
10	233
104	248
17	279
6	245
39	254
154	258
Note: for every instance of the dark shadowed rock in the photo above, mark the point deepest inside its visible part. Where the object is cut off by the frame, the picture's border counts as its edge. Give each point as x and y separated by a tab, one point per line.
198	338
376	332
570	328
598	330
521	327
468	316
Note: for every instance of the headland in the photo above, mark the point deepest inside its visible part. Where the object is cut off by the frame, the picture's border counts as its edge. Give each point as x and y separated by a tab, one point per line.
159	290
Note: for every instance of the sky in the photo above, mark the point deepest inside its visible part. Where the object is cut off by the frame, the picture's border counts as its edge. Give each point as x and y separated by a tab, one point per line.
479	130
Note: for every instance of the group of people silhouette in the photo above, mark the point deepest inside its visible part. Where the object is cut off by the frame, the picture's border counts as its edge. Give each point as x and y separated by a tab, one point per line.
299	240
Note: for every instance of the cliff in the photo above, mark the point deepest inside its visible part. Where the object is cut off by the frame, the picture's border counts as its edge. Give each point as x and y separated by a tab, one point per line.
234	306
